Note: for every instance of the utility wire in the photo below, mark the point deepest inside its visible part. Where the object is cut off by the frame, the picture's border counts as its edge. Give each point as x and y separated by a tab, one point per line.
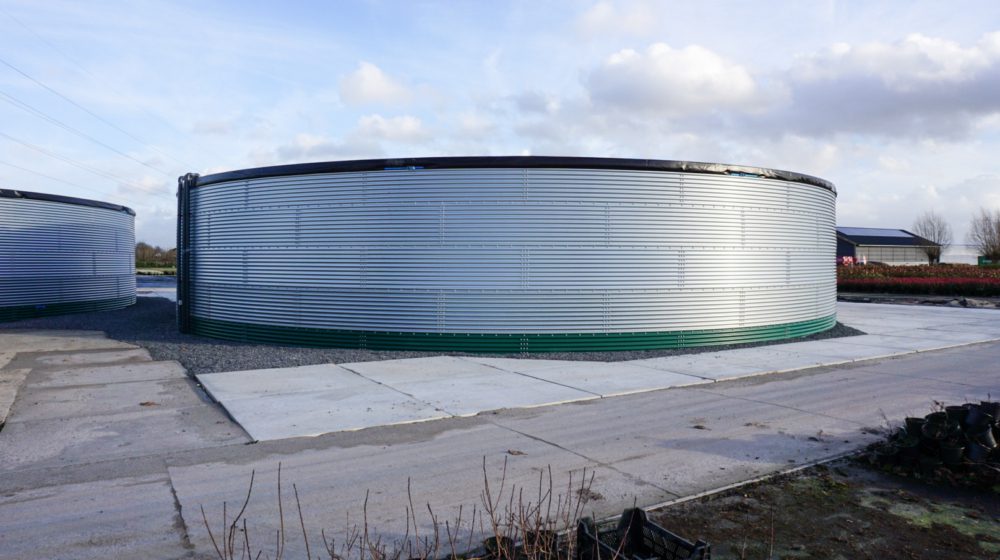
24	106
85	167
82	69
40	174
61	52
91	113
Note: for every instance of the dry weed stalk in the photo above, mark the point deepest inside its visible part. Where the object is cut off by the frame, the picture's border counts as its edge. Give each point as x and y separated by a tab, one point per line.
518	527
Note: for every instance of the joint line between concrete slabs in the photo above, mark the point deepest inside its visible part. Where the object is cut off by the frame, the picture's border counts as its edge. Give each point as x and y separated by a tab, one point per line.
908	351
694	375
206	396
921	377
779	405
179	522
537	378
404	393
83	385
602	464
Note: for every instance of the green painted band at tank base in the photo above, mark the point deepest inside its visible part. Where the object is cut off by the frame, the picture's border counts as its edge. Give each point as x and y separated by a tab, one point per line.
20	312
502	343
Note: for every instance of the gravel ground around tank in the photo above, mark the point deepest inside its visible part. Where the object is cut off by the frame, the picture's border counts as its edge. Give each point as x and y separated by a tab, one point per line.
151	323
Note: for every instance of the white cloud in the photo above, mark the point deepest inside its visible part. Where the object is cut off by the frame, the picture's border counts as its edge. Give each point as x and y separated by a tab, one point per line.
671	81
971	194
907	64
577	129
536	102
369	84
604	18
155	223
146	185
365	140
214	127
405	129
475	126
916	87
791	152
311	147
901	123
894	164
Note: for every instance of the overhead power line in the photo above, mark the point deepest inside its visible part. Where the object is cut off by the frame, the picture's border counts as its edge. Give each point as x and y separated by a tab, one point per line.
89	112
78	66
34	111
73	162
63	181
48	43
80	165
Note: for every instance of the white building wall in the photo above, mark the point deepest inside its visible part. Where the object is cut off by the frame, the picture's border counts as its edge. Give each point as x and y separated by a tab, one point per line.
891	255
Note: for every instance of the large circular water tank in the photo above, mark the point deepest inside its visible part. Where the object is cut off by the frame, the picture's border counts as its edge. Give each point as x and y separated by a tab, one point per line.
60	254
506	254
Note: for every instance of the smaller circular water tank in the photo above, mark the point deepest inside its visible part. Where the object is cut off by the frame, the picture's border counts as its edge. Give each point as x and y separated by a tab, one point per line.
60	254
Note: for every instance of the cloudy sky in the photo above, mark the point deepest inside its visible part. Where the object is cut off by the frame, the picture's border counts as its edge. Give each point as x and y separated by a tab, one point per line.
898	103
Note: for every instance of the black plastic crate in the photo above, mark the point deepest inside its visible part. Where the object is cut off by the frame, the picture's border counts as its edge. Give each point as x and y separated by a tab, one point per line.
635	538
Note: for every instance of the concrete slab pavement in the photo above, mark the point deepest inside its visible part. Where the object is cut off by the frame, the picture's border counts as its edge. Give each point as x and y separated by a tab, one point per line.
102	399
462	388
644	447
130	517
711	366
144	432
681	439
961	371
322	377
305	401
525	365
10	380
85	358
648	446
70	414
609	379
5	358
96	407
306	414
93	374
444	470
42	341
600	378
326	400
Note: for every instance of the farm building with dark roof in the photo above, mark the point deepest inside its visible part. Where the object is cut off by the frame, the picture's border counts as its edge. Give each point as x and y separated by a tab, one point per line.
889	246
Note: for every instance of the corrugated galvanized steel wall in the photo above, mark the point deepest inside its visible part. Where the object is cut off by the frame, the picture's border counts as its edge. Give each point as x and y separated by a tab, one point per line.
61	257
503	252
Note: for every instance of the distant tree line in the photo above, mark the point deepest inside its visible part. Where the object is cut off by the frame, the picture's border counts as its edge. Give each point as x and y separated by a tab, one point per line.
983	235
149	256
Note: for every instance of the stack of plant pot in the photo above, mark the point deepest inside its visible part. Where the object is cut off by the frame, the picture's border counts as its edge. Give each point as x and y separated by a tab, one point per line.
958	440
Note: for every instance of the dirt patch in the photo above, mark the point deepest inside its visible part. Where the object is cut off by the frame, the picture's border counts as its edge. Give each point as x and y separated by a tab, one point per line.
842	511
